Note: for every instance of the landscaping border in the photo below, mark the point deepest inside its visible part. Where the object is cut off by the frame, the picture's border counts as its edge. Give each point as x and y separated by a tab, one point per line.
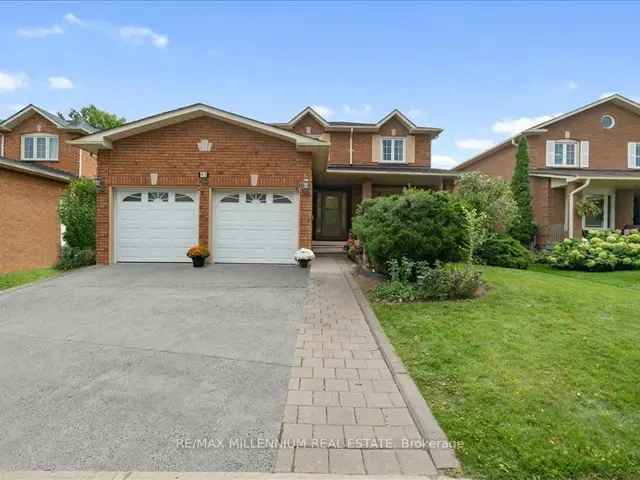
7	291
442	454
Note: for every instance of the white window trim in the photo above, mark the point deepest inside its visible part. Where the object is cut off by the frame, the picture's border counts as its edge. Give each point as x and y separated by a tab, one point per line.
606	193
35	136
636	163
404	150
576	158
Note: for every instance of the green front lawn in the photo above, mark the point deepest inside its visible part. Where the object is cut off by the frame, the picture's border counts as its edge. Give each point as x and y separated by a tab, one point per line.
14	279
540	379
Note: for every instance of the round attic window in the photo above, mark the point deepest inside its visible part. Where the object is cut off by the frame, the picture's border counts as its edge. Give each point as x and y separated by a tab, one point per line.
607	121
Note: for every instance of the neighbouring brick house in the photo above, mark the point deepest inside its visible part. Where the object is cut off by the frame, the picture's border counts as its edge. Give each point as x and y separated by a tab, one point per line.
253	192
592	152
36	163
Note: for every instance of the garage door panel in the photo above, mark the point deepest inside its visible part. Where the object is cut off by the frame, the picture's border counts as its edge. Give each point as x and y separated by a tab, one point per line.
255	232
158	231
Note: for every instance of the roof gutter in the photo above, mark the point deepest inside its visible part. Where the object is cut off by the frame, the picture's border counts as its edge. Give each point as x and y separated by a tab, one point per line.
572	201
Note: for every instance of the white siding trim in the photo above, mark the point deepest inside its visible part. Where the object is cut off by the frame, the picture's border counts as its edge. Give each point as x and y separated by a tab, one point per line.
584	154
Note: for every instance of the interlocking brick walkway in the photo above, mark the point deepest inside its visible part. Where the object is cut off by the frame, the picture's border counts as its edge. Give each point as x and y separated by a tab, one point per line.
344	412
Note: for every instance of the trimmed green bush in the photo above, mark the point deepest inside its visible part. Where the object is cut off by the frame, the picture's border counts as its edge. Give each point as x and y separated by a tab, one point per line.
504	251
418	225
71	258
78	214
489	197
602	251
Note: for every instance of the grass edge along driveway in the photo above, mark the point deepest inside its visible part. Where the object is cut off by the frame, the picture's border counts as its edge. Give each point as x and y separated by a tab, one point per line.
540	379
15	279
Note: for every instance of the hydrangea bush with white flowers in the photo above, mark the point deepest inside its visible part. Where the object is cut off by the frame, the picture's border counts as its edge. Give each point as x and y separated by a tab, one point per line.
602	251
304	254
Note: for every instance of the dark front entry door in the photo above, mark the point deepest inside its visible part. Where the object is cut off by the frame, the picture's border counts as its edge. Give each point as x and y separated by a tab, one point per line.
331	215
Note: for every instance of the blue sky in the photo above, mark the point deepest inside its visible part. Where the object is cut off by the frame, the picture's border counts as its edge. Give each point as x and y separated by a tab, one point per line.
479	70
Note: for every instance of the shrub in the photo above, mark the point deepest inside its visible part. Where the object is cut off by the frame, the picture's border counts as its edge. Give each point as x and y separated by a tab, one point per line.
523	228
417	224
198	251
501	250
78	214
71	258
602	251
448	282
394	291
489	196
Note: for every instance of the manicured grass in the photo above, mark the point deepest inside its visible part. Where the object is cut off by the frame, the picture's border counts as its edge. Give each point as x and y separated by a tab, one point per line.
540	379
14	279
624	278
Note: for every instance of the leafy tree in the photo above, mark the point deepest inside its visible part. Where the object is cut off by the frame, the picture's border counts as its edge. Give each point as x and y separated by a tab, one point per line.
523	227
95	117
78	214
418	225
490	197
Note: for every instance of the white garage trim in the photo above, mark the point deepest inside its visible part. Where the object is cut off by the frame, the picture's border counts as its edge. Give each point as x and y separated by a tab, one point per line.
120	193
280	250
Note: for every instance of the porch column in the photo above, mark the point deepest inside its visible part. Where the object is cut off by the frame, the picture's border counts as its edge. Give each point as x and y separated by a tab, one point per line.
367	189
575	230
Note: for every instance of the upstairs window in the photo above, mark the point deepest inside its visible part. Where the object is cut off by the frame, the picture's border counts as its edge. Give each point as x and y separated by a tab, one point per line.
565	154
40	147
634	155
393	150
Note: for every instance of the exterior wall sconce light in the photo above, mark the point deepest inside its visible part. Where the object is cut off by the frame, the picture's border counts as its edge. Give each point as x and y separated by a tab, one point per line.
305	185
204	145
204	174
153	177
99	184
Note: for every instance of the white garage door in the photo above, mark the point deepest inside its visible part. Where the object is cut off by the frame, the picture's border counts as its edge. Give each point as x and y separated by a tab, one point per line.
155	225
255	226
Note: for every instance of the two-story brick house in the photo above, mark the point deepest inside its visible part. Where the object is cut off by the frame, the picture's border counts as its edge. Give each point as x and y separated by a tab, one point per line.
593	151
36	163
254	192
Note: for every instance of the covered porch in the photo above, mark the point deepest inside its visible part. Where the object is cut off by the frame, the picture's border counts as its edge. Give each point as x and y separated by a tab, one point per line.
339	190
615	193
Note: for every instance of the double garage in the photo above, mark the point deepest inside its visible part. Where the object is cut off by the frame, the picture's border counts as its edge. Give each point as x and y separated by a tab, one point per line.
247	226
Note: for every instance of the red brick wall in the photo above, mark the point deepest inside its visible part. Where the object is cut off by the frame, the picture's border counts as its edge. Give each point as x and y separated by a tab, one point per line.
68	155
172	153
29	225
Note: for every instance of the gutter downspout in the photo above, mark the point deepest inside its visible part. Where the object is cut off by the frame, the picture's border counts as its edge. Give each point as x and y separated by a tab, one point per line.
572	202
351	146
1	144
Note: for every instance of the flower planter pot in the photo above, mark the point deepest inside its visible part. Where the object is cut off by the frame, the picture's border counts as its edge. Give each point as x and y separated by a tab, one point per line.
304	263
198	261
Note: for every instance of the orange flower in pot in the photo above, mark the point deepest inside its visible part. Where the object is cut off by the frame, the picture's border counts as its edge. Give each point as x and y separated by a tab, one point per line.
198	254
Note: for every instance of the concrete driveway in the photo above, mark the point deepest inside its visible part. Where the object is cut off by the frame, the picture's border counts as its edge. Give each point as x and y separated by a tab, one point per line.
121	368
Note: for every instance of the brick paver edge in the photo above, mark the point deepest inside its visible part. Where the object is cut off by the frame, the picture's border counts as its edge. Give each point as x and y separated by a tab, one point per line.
443	458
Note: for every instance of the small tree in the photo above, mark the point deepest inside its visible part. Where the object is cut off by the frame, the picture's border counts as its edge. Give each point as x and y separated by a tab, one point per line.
95	117
523	227
490	197
476	226
78	214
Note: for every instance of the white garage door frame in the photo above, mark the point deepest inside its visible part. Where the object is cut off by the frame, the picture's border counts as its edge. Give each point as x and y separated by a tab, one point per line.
212	213
115	197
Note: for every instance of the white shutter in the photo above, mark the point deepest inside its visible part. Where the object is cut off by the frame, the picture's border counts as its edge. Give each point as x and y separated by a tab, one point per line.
631	155
584	154
551	151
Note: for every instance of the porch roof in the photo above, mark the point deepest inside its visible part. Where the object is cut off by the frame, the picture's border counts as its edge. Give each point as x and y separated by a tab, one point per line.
581	173
384	174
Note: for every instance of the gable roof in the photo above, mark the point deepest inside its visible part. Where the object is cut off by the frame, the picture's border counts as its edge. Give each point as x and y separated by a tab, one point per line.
29	110
361	126
32	168
541	128
103	139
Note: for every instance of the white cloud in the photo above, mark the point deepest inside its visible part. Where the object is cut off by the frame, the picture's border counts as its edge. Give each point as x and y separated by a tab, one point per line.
323	110
72	19
517	125
475	143
443	161
12	81
60	83
140	35
362	111
40	32
572	85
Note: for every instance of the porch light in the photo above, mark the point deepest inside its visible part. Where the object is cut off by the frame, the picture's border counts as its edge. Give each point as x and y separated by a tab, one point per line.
204	174
99	184
305	185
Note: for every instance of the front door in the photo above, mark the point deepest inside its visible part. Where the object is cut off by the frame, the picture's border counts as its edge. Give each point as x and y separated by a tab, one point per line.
331	215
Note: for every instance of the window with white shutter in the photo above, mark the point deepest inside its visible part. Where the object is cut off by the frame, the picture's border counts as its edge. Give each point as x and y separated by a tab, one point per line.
40	147
633	155
565	154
